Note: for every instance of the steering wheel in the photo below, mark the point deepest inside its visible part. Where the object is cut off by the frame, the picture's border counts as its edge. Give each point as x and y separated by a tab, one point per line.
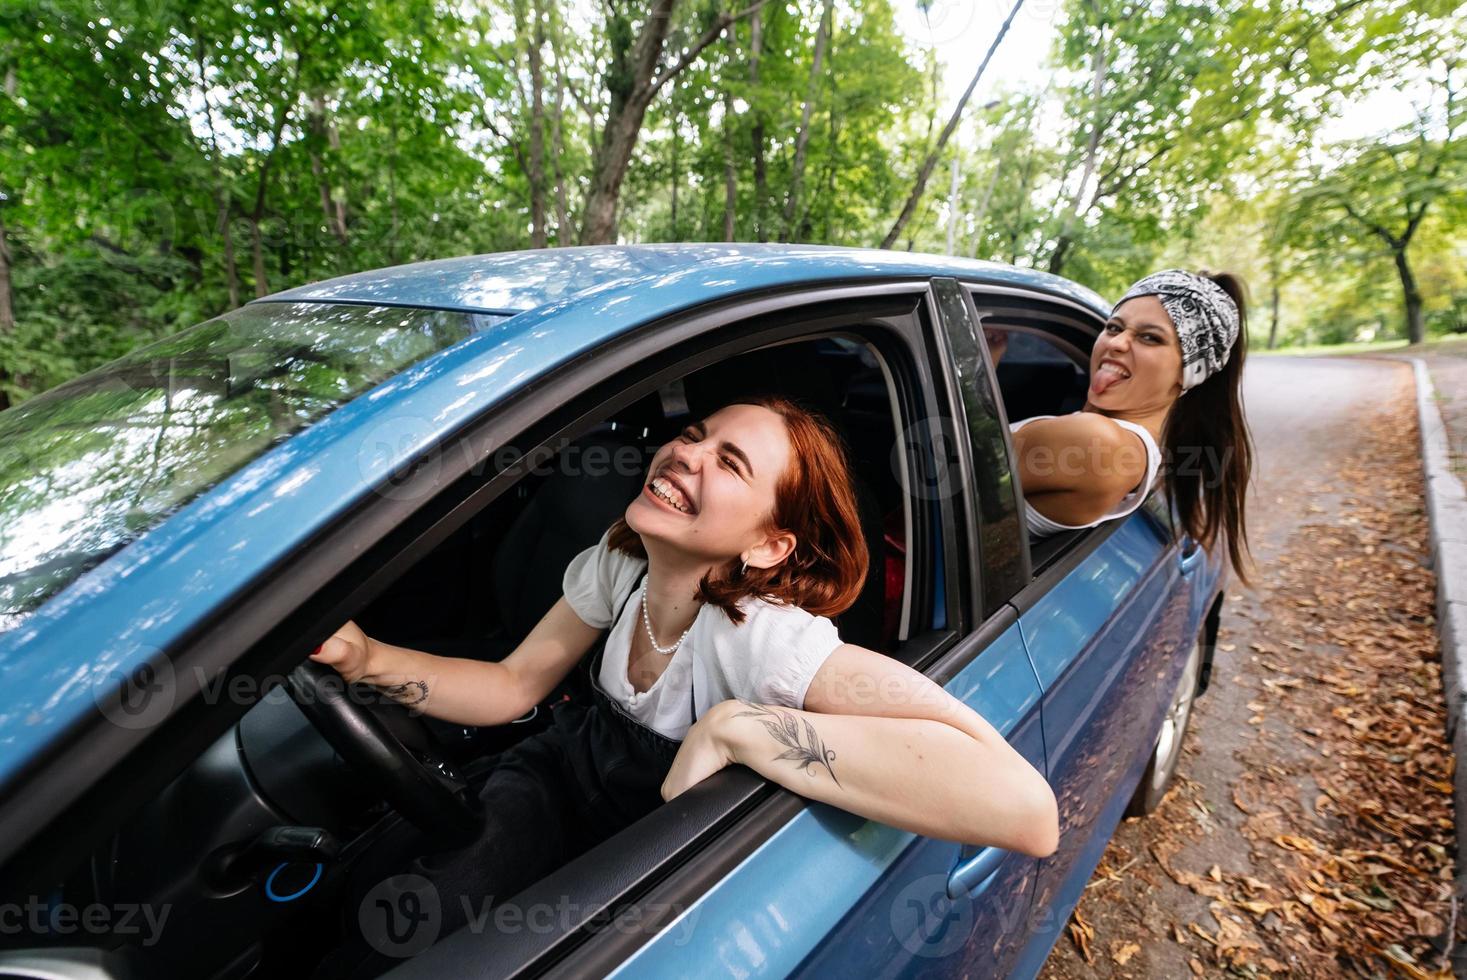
385	742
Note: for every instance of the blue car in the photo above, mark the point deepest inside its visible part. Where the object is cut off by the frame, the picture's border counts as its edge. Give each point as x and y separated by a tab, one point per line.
423	449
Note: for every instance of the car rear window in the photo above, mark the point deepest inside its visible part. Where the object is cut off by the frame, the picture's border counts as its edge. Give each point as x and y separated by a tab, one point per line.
91	464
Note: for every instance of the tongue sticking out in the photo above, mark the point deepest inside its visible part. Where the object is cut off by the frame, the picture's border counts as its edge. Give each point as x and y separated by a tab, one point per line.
1106	377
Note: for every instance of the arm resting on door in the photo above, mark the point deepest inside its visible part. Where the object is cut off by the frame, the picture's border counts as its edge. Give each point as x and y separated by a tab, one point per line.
882	741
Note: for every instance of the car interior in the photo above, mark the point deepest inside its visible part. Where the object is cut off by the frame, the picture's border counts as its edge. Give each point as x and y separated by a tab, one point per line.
271	795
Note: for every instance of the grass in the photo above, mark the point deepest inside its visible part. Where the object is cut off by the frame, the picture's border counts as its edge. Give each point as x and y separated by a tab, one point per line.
1455	344
1314	350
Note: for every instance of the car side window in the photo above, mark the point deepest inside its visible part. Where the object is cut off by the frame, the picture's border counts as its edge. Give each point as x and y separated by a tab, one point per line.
1037	376
1043	370
1000	529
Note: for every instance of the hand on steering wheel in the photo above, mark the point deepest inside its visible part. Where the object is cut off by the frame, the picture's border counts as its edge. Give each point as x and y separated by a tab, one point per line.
390	745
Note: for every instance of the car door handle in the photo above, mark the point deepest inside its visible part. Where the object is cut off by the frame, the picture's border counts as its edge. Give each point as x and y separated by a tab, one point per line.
975	866
1188	559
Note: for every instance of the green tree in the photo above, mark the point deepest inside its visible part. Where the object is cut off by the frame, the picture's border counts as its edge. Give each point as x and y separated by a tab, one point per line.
1383	191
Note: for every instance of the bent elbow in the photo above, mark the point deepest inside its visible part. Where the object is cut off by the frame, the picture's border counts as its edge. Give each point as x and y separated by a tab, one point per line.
1041	827
1030	824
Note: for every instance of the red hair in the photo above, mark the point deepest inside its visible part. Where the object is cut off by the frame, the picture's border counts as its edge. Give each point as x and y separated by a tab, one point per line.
814	500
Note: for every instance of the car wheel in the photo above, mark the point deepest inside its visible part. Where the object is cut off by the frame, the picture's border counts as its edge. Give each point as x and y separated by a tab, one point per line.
1167	753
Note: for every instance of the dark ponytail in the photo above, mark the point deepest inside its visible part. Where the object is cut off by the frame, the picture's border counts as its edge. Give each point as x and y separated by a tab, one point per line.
1211	450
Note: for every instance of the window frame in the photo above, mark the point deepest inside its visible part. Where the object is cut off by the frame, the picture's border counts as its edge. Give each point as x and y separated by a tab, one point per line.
75	796
1063	322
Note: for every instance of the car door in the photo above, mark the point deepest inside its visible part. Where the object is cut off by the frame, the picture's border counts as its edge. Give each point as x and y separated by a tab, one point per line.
833	893
1101	626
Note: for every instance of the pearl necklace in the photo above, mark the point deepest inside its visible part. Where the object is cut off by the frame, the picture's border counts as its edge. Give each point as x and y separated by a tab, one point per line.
647	622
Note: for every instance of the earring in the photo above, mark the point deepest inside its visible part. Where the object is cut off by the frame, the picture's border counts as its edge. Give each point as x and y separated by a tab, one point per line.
745	569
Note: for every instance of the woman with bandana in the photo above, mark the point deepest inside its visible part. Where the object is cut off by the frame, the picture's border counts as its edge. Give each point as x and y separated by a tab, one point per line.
1165	372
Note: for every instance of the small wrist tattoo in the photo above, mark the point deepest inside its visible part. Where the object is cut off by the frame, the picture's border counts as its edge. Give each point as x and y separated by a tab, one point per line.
785	729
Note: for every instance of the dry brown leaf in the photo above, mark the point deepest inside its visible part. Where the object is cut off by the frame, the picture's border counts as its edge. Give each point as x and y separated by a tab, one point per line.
1292	842
1122	952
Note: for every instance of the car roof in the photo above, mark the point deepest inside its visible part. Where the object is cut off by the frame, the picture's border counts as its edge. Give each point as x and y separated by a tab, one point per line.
150	595
516	282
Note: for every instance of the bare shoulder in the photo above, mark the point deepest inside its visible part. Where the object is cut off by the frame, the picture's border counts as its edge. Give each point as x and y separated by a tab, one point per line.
1077	428
1108	458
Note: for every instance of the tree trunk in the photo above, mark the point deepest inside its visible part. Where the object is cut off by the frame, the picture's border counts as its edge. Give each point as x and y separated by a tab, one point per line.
632	81
7	307
563	234
231	270
1415	325
262	284
802	138
952	209
910	208
262	185
1060	254
761	176
7	297
332	212
394	229
629	82
221	192
1273	320
730	171
539	237
1077	206
673	167
982	213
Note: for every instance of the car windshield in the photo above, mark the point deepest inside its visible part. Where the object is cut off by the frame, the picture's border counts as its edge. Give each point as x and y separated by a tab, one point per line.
90	465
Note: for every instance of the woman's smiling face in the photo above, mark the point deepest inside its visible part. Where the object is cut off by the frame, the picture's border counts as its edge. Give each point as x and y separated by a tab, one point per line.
721	476
1136	363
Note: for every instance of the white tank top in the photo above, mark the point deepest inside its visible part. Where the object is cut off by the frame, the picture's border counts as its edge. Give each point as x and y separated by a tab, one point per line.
1041	525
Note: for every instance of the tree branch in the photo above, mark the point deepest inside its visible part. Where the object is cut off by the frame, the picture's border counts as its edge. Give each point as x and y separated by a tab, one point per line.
709	36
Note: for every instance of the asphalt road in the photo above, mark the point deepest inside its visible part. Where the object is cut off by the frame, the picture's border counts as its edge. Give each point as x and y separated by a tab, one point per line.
1335	440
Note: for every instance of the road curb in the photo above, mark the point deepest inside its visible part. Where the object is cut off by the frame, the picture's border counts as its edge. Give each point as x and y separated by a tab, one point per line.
1446	505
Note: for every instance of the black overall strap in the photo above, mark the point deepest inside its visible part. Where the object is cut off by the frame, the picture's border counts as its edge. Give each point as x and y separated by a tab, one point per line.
596	664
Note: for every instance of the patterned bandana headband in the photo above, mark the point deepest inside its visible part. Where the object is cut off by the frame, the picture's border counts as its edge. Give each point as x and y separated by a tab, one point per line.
1205	316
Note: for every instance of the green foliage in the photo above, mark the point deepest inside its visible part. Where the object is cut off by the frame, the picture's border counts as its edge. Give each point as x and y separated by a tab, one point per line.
162	162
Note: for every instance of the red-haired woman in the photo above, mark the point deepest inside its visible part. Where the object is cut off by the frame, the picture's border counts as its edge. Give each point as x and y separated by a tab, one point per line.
716	586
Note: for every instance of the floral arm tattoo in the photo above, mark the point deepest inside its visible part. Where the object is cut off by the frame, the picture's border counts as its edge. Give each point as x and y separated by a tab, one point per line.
411	692
786	731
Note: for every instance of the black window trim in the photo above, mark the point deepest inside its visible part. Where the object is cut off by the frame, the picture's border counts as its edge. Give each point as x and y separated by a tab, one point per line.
260	632
960	462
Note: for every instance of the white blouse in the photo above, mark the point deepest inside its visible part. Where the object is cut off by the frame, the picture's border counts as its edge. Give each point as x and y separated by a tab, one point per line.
769	659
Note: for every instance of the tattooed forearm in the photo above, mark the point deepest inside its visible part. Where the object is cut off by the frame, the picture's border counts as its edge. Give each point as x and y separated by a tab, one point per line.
411	692
786	731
